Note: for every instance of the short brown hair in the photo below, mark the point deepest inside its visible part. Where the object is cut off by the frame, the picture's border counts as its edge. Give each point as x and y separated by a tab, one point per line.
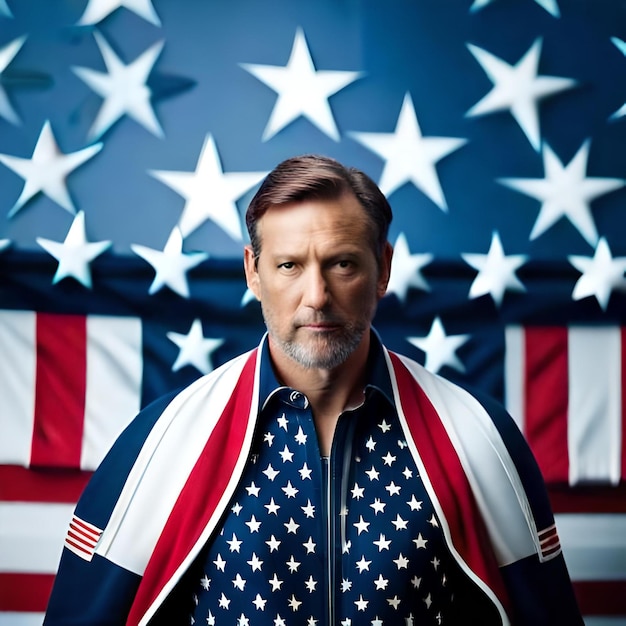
318	177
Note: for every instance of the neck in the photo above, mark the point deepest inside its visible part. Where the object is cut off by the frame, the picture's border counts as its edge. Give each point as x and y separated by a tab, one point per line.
330	391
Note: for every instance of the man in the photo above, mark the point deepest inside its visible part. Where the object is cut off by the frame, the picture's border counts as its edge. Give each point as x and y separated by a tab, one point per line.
319	479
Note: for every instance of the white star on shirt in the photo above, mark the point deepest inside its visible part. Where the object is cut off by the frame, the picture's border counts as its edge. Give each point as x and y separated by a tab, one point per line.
361	525
346	585
384	427
97	10
302	90
517	88
271	473
393	489
7	54
309	509
253	524
361	603
409	156
372	473
234	543
310	584
381	583
253	490
310	546
400	523
405	269
273	544
286	454
600	274
363	565
290	490
420	542
401	562
224	602
124	89
566	191
440	348
550	6
300	437
370	445
292	564
496	271
414	503
357	492
275	582
382	542
279	621
209	192
291	526
75	253
220	563
378	506
305	472
47	170
239	582
394	602
195	349
389	459
294	603
255	563
171	264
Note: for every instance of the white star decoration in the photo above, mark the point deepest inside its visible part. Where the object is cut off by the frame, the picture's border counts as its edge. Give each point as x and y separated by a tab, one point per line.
600	274
550	6
7	54
302	90
97	10
124	89
47	170
410	157
405	269
171	265
496	271
210	193
565	191
440	349
517	88
4	9
195	350
75	253
621	46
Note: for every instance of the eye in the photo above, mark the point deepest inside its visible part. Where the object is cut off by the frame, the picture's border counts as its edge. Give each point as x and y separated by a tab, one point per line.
287	265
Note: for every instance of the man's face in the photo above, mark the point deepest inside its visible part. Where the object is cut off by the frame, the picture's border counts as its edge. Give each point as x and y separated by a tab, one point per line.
317	279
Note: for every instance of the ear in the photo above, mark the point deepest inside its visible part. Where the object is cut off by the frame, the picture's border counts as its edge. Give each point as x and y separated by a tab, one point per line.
385	270
252	274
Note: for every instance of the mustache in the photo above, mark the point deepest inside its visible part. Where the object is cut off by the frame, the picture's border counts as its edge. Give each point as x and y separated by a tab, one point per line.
319	319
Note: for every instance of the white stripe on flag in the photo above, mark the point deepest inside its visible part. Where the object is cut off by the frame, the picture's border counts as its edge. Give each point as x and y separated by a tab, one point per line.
514	373
32	536
594	545
114	377
17	385
594	413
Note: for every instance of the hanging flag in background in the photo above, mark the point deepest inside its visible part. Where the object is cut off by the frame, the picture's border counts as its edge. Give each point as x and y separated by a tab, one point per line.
132	136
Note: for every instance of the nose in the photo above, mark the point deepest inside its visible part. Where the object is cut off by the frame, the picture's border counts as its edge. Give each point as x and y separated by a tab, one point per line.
316	291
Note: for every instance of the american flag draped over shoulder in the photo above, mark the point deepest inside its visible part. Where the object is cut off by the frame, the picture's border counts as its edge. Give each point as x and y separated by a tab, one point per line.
132	134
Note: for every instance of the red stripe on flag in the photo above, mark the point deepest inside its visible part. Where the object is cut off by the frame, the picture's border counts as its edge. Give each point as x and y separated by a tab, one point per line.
546	400
601	597
588	499
25	592
60	390
18	484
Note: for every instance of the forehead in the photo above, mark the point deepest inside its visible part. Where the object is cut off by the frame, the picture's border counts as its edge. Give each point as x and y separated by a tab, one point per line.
335	218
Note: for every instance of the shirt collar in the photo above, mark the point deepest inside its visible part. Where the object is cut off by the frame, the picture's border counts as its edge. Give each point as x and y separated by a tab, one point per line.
378	380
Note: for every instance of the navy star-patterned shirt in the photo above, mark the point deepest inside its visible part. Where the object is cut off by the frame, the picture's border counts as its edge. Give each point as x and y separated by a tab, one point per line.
348	540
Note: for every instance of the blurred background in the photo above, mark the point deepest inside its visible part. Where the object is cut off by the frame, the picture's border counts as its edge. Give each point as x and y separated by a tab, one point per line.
133	135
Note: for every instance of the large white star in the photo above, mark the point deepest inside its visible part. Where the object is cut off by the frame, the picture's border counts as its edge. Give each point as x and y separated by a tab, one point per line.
75	253
302	90
440	349
550	6
171	264
97	10
621	46
7	54
405	269
517	88
47	170
496	271
209	192
195	349
124	89
566	191
410	157
600	274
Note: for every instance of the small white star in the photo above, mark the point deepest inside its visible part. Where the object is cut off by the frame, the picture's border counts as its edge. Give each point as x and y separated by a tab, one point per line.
275	582
239	582
7	54
440	348
361	603
268	438
302	90
401	562
310	546
47	170
363	565
357	492
378	506
273	543
220	563
282	422
381	583
420	542
370	445
253	490
195	349
384	426
372	473
405	269
389	459
210	619
124	89
410	157
496	271
171	265
224	602
271	473
253	524
300	437
305	472
259	602
97	10
205	582
255	563
279	621
290	490
291	526
393	489
294	603
234	543
400	523
433	521
309	509
361	525
310	584
382	542
75	253
600	274
407	473
517	88
242	620
428	601
286	455
236	508
209	192
346	585
394	602
566	191
292	564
